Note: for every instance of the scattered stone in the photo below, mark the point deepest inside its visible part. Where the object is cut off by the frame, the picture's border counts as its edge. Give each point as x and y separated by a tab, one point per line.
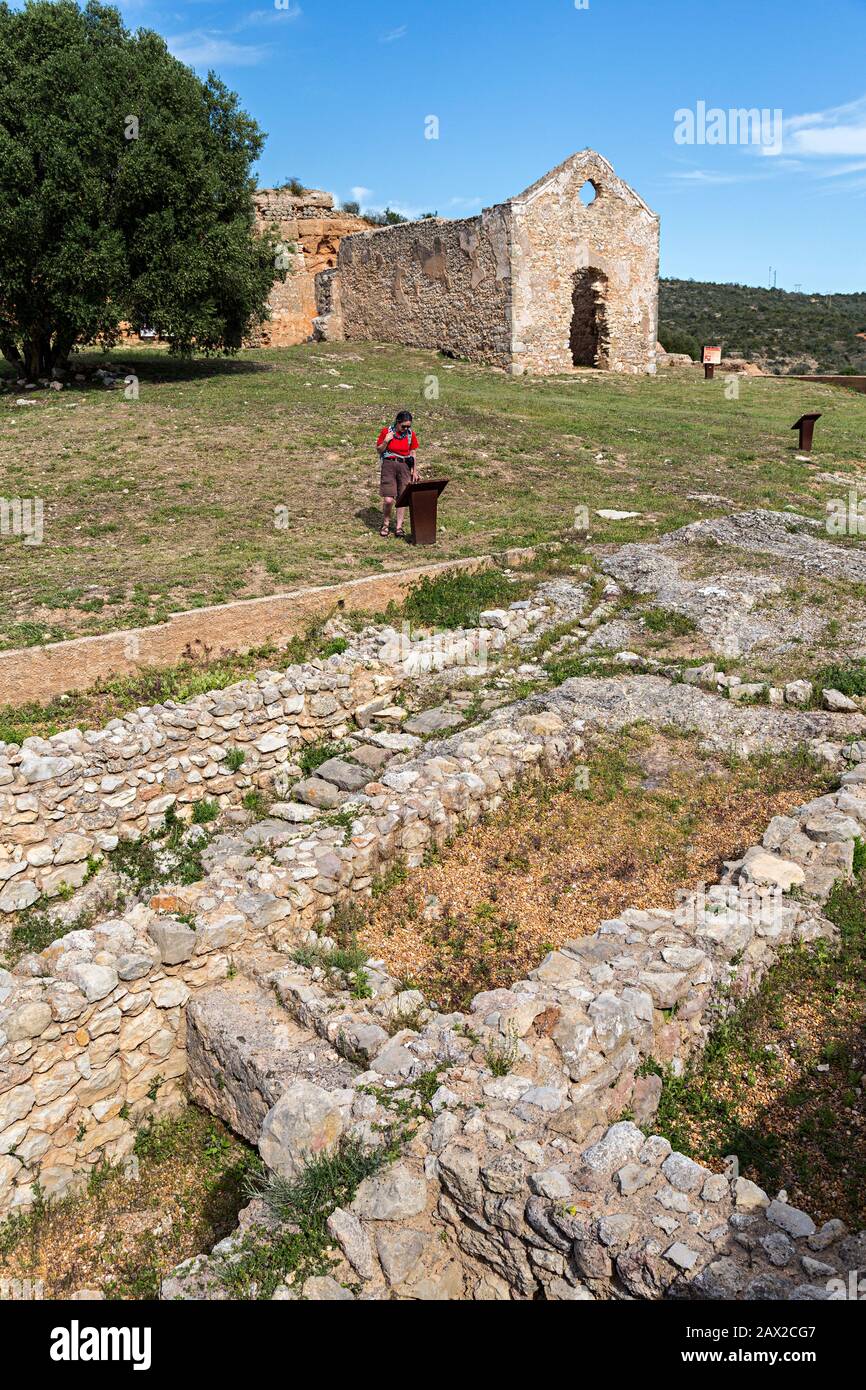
314	791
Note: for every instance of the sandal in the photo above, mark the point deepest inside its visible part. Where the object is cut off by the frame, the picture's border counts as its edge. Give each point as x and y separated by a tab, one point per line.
386	531
400	533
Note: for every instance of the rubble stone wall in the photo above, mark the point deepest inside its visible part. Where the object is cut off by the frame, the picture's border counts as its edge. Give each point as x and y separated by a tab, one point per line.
96	1045
67	799
92	1027
613	243
431	284
310	230
527	1181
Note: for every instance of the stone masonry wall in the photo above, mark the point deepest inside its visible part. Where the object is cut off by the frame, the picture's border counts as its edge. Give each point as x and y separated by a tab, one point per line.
504	288
96	1045
555	238
431	284
75	795
72	797
309	223
92	1029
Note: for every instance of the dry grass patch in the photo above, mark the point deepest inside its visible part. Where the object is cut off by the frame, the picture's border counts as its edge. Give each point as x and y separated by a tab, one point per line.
123	1236
557	859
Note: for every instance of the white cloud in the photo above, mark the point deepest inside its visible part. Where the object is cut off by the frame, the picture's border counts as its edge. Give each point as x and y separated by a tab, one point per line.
202	48
290	11
393	35
709	177
360	193
838	131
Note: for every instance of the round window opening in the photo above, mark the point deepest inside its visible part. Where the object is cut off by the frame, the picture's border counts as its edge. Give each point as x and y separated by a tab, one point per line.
588	193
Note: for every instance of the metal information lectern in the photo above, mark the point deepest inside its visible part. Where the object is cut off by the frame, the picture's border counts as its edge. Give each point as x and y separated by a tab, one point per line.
422	499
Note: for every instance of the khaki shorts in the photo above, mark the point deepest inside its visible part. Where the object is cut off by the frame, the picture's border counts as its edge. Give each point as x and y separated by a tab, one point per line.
396	475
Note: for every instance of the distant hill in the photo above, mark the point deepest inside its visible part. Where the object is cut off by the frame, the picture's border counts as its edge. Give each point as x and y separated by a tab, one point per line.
779	331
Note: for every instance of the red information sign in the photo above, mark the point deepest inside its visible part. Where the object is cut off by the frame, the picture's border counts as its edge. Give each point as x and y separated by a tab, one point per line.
712	355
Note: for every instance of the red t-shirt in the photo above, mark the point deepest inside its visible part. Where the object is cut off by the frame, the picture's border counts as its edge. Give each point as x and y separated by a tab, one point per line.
405	446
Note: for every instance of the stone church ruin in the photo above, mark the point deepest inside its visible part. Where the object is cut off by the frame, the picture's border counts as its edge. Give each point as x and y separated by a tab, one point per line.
563	276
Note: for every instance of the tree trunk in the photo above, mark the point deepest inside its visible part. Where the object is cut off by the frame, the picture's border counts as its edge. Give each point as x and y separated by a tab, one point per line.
10	351
39	356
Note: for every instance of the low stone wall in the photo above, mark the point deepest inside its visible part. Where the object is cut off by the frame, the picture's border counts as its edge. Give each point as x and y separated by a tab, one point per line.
38	673
516	1187
96	1045
56	1122
68	799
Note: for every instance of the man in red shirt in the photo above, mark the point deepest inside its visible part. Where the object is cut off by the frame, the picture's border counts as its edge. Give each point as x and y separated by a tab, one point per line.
396	447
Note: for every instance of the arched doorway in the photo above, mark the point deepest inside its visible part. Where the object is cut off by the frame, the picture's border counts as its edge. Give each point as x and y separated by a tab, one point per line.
588	336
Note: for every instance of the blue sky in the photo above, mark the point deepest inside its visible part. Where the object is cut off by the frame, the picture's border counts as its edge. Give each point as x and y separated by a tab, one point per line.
343	89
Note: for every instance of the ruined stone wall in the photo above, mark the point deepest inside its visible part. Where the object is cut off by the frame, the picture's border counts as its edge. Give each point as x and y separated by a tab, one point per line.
432	284
68	799
517	1183
308	223
96	1045
607	250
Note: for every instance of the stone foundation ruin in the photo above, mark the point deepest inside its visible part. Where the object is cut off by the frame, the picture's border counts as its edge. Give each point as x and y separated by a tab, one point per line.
533	1170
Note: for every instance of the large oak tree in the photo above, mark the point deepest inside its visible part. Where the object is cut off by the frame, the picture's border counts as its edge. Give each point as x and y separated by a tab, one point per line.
125	191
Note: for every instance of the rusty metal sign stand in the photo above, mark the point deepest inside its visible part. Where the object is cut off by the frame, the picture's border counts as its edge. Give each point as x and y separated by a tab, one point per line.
422	499
806	426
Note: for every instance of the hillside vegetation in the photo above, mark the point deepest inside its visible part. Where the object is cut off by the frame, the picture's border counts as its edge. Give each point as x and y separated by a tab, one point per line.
779	331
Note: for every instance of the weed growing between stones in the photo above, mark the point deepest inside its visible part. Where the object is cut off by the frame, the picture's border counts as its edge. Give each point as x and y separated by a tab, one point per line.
780	1084
458	599
849	678
169	854
311	757
347	961
297	1247
501	1056
257	803
36	928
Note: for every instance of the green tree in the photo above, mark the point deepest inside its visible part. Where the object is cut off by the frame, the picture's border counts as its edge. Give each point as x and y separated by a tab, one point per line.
125	191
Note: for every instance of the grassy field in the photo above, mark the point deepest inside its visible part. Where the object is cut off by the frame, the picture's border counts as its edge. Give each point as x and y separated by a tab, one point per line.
168	501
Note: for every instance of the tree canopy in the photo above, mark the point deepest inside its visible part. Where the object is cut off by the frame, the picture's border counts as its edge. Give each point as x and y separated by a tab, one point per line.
125	191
